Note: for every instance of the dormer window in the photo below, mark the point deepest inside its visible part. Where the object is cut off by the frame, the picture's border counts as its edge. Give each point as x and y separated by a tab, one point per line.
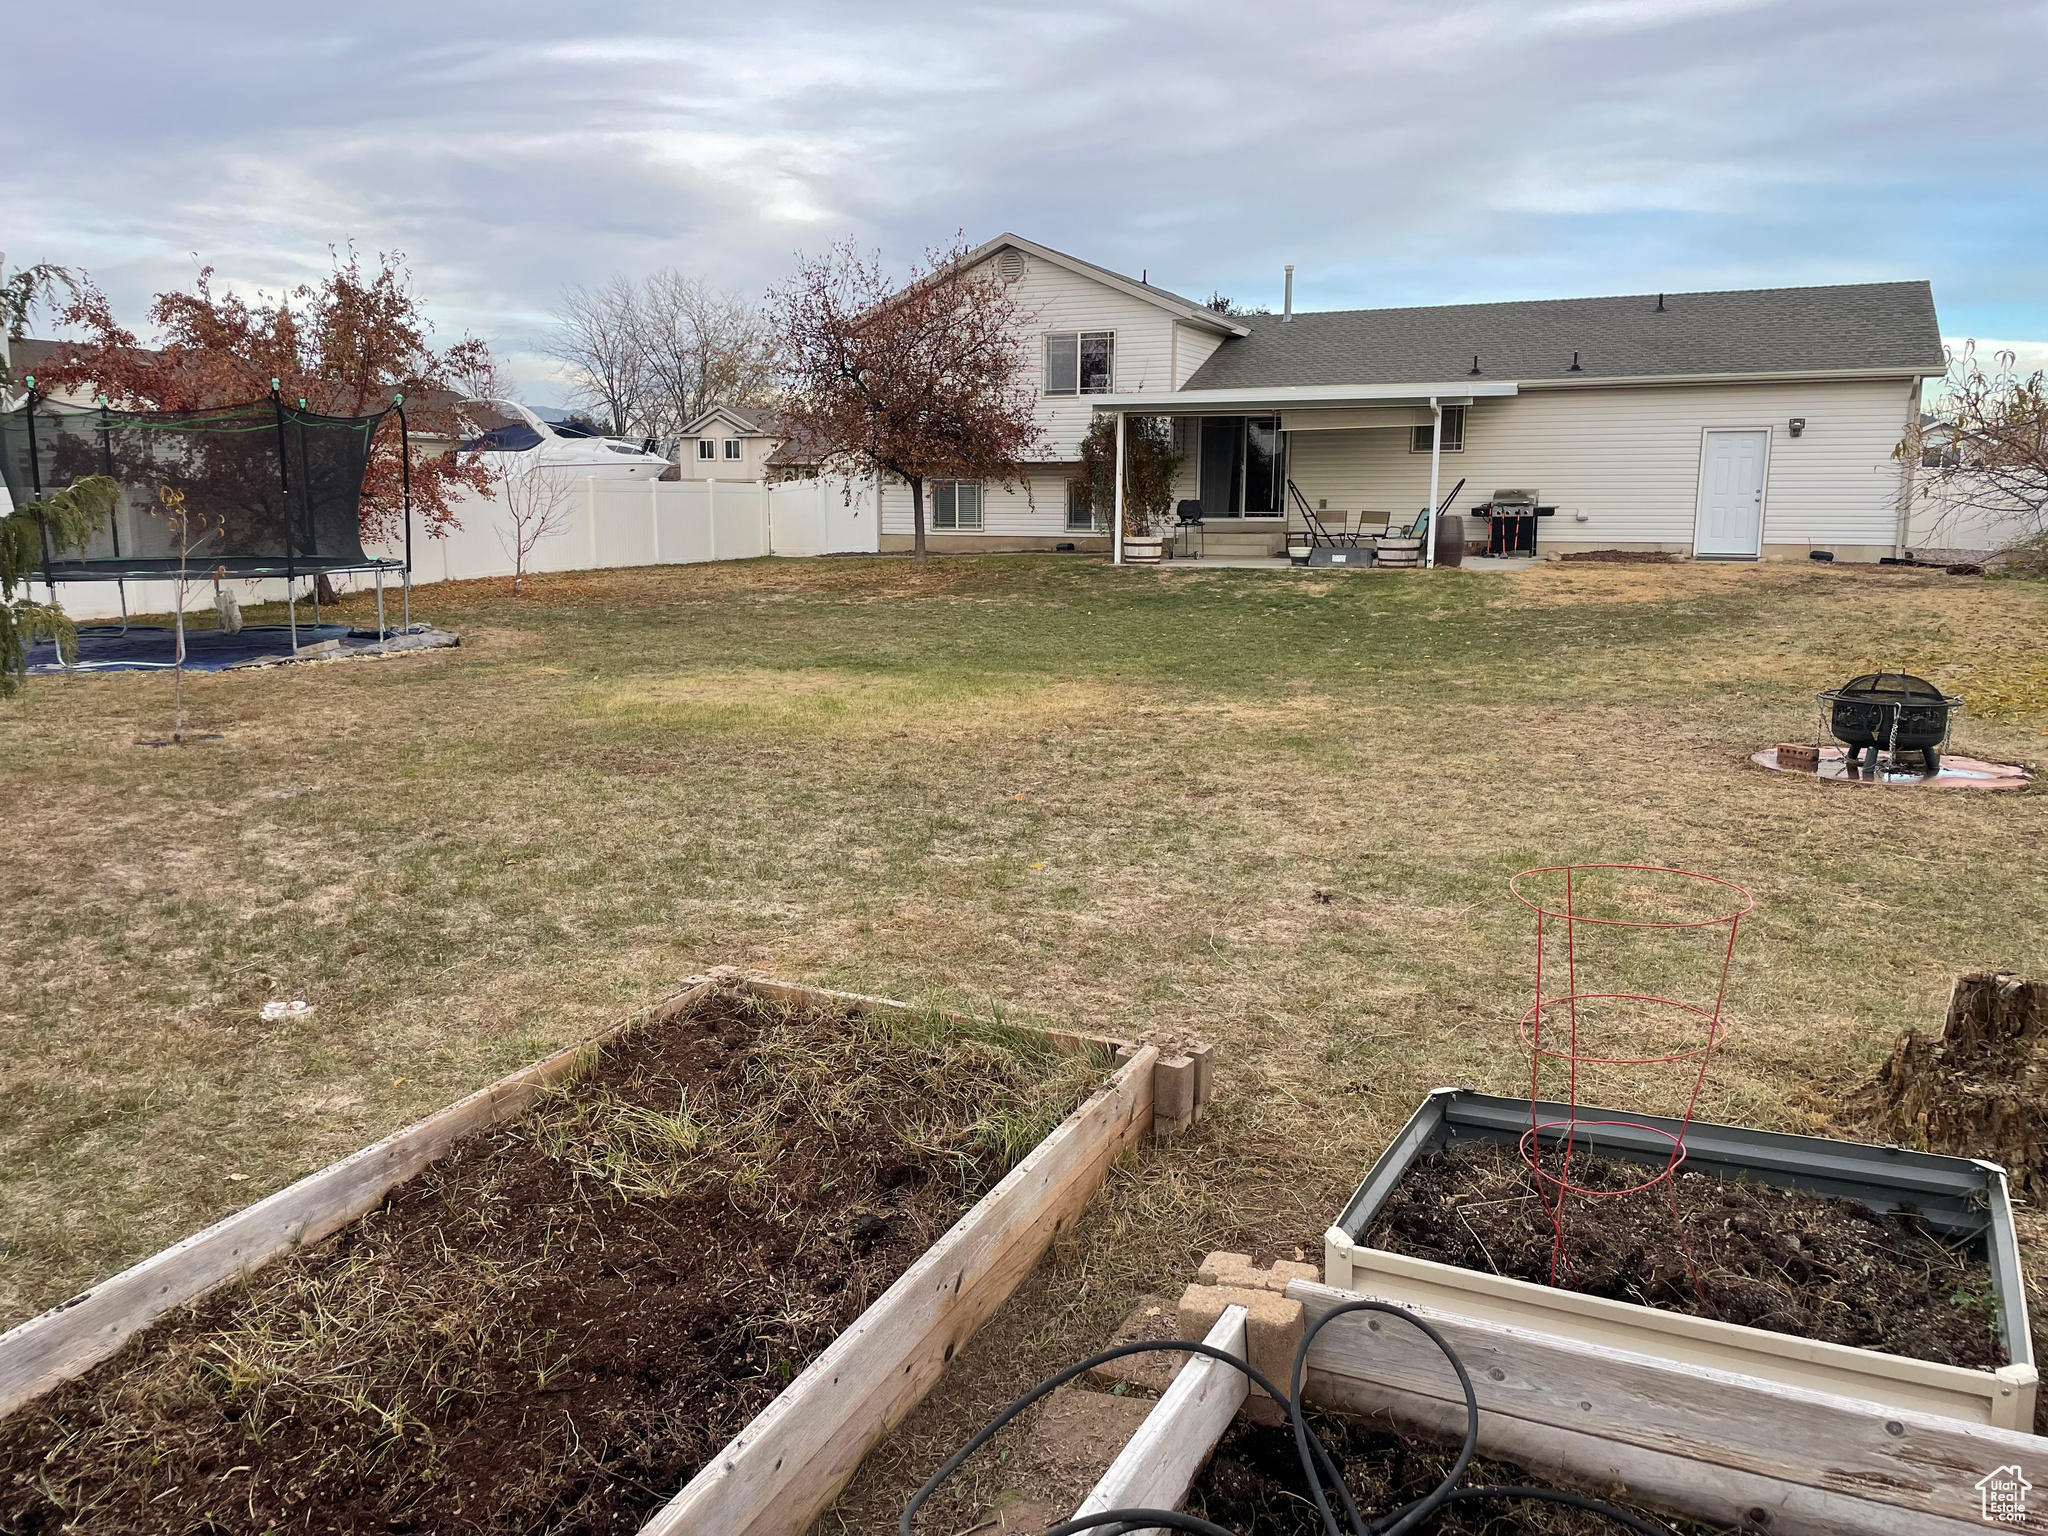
1080	362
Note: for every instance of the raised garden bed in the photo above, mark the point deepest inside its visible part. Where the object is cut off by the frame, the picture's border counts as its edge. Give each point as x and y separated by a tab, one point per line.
1817	1333
738	1216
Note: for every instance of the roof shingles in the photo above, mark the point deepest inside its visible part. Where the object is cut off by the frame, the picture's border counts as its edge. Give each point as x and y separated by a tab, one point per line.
1767	330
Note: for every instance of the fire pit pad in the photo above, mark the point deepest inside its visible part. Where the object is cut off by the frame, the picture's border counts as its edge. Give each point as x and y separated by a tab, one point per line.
1955	773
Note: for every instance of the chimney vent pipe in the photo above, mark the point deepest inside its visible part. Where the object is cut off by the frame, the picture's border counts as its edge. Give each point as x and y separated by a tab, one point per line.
1287	304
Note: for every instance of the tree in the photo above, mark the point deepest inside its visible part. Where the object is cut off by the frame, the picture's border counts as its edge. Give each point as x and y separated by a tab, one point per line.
927	381
648	358
30	288
344	347
190	528
536	502
597	335
1985	450
67	519
1150	467
698	348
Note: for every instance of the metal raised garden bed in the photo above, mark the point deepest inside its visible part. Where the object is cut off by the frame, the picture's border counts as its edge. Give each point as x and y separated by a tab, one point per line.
1962	1197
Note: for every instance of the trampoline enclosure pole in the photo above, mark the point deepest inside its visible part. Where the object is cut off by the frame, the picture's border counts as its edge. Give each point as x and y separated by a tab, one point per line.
405	482
380	607
291	609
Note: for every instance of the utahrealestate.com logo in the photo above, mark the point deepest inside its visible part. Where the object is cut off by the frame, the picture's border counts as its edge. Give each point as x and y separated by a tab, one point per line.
2004	1493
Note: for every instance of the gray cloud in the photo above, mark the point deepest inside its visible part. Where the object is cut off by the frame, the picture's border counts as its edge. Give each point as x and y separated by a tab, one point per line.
1397	152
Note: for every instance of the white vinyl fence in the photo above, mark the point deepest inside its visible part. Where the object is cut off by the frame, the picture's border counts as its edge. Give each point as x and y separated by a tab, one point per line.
605	524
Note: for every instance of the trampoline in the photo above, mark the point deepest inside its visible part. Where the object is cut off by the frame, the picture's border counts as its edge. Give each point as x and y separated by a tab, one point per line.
279	488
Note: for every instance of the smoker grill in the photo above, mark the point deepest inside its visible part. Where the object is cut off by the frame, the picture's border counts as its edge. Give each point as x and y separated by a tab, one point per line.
1890	712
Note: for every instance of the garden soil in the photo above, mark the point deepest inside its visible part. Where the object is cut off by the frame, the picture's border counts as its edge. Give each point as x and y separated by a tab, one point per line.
1752	1254
555	1326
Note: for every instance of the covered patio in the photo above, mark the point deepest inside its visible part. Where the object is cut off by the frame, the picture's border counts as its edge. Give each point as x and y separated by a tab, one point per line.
1280	465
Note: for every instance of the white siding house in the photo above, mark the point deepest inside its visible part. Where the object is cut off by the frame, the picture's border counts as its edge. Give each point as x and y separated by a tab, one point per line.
1738	425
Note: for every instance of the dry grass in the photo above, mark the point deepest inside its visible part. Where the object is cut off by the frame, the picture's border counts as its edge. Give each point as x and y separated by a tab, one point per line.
1275	810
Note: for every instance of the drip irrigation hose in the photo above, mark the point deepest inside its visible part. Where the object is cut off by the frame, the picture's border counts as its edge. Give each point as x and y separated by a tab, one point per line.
1315	1457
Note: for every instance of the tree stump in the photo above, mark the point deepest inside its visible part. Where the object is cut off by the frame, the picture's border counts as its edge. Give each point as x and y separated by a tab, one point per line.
1981	1089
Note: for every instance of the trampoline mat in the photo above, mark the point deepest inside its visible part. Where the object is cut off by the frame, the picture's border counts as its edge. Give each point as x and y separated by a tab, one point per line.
107	648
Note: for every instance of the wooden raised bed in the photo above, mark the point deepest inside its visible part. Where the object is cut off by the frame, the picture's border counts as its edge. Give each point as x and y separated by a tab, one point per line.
1748	1454
1958	1195
786	1466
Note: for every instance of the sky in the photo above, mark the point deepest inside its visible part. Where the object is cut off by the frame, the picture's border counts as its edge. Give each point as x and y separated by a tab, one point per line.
1395	151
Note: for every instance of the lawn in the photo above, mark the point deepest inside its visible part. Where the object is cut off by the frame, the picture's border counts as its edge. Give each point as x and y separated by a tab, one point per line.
1277	810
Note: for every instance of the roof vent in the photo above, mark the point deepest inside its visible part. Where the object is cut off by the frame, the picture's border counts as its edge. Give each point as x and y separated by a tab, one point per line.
1660	304
1575	365
1010	264
1475	365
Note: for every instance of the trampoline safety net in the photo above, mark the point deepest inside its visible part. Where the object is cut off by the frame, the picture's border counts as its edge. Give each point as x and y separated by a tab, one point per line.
275	491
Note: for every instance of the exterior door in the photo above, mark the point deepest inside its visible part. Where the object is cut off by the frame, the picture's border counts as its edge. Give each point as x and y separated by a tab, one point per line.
1731	510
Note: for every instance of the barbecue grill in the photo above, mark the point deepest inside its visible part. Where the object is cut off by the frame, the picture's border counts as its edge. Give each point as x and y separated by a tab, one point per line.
1511	523
1890	712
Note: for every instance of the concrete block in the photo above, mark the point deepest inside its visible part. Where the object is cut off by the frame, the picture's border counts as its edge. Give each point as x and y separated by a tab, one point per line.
1237	1269
1173	1095
1273	1325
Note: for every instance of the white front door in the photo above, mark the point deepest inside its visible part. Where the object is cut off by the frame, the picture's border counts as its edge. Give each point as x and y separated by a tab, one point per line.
1731	510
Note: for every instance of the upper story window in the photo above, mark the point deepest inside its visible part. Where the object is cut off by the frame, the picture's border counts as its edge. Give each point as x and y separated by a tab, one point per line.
706	448
1080	362
1454	432
732	447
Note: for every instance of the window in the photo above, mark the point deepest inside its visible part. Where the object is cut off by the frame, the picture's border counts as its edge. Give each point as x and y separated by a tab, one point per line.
1080	362
1080	518
732	447
956	505
1454	432
706	449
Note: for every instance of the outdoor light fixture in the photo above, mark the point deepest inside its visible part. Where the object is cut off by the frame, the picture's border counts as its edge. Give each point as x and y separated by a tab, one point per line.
1798	425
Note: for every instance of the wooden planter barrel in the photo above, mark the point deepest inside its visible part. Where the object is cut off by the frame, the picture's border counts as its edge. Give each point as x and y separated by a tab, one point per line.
1403	552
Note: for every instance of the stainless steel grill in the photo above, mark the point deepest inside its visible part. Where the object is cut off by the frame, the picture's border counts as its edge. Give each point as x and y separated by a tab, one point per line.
1511	523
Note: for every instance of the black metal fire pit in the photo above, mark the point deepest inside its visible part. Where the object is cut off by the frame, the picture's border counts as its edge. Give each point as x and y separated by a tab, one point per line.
1890	712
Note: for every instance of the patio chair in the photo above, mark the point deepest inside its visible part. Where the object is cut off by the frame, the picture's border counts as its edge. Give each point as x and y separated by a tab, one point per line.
1318	535
1188	517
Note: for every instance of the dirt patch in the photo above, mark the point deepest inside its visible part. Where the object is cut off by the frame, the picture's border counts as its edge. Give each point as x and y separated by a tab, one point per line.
556	1325
1619	557
1763	1257
1254	1483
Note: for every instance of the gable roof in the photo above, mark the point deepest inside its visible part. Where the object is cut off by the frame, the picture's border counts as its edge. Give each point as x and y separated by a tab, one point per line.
750	421
1858	327
1175	304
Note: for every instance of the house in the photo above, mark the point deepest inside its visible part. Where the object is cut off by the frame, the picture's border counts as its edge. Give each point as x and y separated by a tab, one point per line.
1736	425
728	442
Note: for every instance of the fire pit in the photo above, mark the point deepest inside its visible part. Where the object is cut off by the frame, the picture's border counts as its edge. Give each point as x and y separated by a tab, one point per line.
1890	712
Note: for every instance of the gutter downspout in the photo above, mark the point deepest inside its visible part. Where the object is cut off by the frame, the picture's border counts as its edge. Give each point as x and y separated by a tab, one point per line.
1116	537
1906	472
1436	448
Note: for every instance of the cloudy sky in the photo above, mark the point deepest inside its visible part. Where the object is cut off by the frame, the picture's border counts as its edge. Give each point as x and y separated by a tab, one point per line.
1396	151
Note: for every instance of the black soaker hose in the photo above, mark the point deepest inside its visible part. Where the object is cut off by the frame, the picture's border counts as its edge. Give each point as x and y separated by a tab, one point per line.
1315	1458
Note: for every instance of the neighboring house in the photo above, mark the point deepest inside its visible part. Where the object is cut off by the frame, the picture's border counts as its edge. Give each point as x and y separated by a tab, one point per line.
728	442
1736	425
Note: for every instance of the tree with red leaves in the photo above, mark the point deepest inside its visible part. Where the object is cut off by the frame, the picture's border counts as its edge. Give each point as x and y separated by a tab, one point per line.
344	347
927	381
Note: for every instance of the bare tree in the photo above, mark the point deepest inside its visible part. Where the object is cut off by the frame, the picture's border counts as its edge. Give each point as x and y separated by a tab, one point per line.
537	506
929	380
597	336
699	348
1984	452
191	530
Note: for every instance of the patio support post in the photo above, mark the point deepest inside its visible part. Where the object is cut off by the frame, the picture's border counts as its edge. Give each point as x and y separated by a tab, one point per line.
1436	450
1116	537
